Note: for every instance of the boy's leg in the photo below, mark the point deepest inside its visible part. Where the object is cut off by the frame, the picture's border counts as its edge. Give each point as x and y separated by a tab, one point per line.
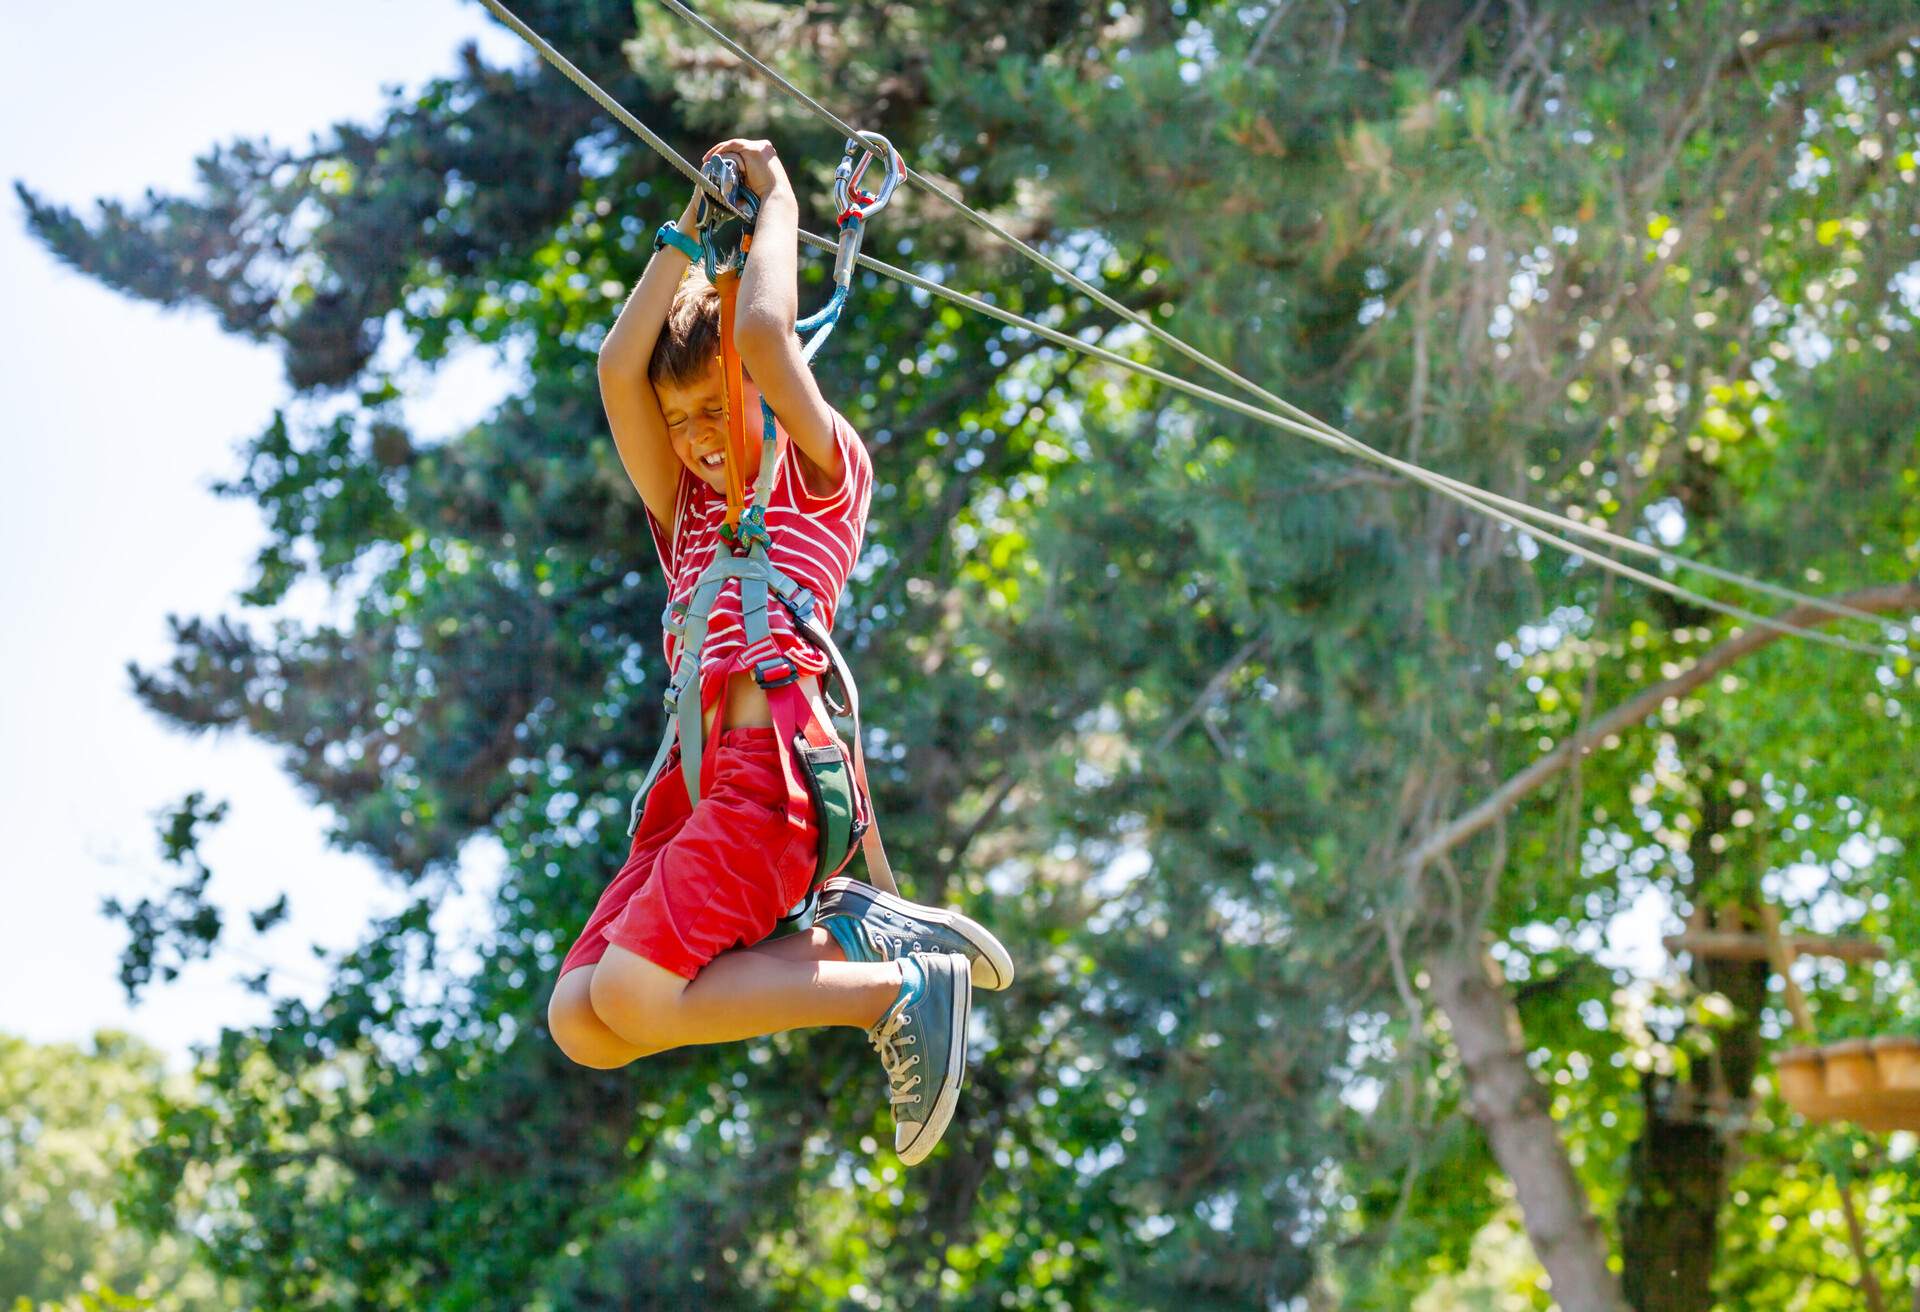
584	1037
741	994
579	1031
914	1011
814	944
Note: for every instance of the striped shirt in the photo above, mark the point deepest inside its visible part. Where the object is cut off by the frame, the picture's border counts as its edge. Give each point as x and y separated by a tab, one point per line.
816	540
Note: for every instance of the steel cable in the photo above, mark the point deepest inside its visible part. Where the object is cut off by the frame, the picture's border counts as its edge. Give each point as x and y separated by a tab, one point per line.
1347	441
1286	417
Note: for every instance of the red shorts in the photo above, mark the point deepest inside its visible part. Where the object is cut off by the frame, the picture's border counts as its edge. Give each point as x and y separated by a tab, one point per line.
702	879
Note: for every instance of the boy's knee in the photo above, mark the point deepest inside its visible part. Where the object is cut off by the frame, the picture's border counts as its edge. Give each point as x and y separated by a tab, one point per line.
578	1032
592	1050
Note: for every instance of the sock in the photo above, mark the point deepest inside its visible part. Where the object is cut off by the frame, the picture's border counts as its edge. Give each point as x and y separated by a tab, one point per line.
846	932
913	982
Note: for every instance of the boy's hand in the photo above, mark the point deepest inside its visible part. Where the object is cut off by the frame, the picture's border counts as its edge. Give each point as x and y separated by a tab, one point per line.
758	162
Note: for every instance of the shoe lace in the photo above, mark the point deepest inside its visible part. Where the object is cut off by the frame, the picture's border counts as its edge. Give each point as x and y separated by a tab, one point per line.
888	1041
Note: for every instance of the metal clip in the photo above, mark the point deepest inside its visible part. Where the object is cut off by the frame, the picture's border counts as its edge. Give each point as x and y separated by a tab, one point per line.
856	204
724	236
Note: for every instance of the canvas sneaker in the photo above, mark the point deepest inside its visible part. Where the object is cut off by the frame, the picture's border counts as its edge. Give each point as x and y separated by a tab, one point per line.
922	1042
871	925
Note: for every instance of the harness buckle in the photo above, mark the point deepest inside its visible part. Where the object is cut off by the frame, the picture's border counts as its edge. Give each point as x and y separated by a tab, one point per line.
801	604
674	618
775	672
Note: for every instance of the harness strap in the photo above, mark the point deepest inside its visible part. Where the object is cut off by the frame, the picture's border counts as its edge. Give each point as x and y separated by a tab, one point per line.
879	870
727	283
759	580
688	622
691	709
793	718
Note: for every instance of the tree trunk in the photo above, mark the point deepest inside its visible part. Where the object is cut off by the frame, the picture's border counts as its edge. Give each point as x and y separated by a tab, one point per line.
1669	1219
1510	1107
1677	1173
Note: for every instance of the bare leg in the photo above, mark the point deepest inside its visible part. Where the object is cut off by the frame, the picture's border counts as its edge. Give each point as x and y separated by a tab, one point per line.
812	945
579	1031
742	994
584	1037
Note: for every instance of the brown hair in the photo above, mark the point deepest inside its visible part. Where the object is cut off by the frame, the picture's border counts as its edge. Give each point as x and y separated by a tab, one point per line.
689	340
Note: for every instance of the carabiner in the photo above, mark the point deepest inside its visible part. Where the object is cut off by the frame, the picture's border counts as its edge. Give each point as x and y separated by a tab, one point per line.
857	205
861	153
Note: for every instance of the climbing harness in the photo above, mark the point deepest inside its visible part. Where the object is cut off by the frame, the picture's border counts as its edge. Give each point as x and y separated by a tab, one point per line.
819	777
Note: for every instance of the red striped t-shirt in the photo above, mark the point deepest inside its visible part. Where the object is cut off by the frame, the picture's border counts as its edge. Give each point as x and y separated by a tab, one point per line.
816	540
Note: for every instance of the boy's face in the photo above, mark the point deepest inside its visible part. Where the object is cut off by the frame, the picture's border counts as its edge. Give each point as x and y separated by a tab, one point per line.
696	415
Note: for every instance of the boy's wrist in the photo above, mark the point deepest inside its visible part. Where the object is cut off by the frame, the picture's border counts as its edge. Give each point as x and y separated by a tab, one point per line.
675	235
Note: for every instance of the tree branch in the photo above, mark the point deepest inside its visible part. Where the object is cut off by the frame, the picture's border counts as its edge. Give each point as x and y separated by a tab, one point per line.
1822	28
1880	600
1253	650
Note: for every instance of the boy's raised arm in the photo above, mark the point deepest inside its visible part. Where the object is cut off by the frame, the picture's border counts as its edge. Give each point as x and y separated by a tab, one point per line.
769	301
633	411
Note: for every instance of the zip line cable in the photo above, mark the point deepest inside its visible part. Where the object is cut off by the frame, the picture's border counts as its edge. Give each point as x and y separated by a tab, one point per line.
1368	453
1313	429
1351	444
1306	425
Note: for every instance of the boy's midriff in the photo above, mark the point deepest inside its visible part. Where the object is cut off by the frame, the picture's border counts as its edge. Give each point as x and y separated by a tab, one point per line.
746	706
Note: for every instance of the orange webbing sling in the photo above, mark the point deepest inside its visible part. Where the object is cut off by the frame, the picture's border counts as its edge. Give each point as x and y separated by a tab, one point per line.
728	285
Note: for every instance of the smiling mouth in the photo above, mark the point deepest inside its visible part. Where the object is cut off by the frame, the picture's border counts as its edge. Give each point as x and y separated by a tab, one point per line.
713	461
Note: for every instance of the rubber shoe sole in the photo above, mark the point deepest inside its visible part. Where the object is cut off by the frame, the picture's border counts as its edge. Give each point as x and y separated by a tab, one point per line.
991	970
926	1136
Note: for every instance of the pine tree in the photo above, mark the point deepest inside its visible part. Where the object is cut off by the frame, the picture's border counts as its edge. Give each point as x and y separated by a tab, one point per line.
1171	699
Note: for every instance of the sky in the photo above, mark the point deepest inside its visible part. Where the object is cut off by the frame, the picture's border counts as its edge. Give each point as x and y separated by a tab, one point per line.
117	417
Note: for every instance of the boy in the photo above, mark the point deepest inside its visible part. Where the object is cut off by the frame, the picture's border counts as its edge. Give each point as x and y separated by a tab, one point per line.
673	954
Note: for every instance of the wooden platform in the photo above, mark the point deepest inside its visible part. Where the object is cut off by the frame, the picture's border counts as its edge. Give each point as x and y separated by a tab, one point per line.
1872	1083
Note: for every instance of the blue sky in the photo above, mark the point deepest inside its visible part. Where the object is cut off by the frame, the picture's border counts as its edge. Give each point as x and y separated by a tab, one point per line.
117	416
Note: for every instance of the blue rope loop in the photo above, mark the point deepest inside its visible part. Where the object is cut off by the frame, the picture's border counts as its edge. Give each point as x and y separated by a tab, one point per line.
826	315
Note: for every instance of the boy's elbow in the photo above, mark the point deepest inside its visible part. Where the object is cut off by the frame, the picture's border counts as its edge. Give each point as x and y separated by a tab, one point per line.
617	366
759	336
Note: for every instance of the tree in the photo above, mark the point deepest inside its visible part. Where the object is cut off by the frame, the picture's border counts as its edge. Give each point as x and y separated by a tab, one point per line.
70	1122
1186	707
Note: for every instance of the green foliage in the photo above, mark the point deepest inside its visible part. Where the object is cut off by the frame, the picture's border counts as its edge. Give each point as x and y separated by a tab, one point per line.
184	922
1161	694
70	1124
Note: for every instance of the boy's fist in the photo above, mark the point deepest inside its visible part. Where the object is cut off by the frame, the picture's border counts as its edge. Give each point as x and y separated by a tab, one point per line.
759	163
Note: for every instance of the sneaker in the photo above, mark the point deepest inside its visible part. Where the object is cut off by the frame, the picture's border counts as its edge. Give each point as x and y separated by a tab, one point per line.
870	925
922	1042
